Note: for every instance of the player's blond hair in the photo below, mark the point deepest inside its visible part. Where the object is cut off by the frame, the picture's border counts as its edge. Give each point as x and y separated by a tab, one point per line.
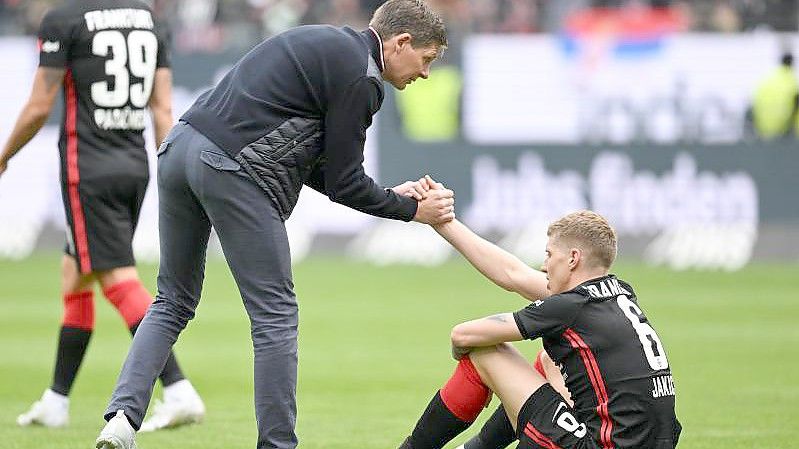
413	17
589	232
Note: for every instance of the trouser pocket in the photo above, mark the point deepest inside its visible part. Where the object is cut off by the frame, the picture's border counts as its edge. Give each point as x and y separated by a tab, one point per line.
219	161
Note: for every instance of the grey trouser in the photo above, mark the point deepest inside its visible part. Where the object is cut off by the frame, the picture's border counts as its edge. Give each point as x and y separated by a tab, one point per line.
200	186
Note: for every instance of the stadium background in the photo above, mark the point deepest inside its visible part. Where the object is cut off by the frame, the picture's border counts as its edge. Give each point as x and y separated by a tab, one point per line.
636	109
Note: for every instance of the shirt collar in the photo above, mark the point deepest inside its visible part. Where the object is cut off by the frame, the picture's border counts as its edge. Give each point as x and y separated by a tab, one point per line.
376	44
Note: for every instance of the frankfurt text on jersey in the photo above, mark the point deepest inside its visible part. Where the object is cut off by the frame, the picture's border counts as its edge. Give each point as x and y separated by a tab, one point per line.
118	18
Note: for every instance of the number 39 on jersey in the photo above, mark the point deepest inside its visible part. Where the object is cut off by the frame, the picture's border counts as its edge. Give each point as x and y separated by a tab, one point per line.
130	68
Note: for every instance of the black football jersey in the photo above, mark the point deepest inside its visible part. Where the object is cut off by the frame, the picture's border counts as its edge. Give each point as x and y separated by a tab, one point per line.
612	359
110	50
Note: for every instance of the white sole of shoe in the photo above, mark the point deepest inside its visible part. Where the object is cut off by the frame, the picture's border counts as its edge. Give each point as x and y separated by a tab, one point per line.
30	422
24	421
109	442
183	421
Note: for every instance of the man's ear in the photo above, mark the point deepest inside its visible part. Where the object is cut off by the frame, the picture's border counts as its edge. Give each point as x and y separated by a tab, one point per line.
403	39
575	256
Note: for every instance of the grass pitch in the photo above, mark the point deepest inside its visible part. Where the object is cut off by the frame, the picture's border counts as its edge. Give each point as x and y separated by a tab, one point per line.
374	348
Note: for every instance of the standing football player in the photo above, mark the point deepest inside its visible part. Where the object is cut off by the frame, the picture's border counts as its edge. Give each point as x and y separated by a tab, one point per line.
613	362
111	60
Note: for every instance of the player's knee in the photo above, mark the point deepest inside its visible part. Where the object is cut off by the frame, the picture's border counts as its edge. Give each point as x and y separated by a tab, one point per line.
484	355
79	310
459	337
130	298
114	276
71	278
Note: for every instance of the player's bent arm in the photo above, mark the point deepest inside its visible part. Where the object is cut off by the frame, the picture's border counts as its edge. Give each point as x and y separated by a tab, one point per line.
483	332
498	265
46	83
161	104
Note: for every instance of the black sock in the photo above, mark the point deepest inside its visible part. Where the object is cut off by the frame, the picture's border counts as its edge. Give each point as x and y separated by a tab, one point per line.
72	344
497	433
436	427
171	372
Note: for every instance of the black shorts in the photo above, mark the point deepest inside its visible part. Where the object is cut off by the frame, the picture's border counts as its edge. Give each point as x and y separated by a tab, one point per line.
546	421
101	217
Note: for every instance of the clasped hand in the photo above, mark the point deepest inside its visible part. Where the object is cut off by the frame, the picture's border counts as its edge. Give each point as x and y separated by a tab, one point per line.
436	202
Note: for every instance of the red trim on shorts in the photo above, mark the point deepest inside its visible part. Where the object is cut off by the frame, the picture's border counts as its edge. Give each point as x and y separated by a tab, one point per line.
539	438
598	383
81	239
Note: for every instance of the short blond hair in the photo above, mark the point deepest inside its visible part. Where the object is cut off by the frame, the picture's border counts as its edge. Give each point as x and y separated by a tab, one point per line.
413	17
589	232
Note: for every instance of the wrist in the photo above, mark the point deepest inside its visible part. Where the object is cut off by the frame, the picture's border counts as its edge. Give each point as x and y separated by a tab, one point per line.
5	155
443	228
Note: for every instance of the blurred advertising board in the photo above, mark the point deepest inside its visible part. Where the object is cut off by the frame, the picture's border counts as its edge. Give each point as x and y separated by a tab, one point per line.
687	205
605	88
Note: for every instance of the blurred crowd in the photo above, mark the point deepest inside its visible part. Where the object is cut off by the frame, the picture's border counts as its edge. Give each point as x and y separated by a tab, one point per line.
219	25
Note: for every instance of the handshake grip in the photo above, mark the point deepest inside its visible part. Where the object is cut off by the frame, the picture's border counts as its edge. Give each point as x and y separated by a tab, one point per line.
436	203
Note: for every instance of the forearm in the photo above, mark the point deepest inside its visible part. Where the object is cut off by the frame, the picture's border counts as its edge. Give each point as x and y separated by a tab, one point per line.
161	104
484	332
363	194
30	121
162	123
46	84
492	261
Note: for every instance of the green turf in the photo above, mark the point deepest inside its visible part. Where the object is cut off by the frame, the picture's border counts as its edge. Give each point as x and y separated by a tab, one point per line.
374	348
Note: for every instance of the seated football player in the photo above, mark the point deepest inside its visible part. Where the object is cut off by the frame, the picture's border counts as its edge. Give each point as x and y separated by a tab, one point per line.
612	360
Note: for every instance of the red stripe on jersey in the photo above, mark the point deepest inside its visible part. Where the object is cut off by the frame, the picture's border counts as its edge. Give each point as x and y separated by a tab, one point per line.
598	383
73	175
539	438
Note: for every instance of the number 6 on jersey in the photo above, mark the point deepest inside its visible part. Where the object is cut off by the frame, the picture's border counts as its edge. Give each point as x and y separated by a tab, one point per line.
653	348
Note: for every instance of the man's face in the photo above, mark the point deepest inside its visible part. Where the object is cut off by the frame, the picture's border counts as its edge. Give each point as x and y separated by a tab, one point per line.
556	266
405	64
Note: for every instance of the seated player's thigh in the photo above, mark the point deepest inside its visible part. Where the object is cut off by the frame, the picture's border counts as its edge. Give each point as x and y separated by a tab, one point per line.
508	374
